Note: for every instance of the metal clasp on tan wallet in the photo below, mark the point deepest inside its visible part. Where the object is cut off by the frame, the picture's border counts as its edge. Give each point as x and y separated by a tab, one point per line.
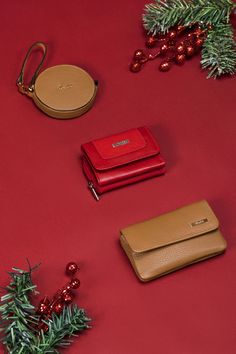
93	191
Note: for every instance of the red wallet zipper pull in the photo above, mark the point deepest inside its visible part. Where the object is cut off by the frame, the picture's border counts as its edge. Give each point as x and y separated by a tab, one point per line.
93	191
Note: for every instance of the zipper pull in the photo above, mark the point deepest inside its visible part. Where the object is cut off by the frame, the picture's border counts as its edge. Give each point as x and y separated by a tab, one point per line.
93	191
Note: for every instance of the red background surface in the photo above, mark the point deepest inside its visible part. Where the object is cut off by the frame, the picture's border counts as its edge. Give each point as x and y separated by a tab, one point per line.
48	215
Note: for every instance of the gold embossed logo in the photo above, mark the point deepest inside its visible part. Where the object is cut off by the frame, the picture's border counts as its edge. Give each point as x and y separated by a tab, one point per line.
199	222
63	87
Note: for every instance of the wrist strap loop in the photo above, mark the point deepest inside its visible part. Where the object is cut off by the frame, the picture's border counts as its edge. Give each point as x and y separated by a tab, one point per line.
22	87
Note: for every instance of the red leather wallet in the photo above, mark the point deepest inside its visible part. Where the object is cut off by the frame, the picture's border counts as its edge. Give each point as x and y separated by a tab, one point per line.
121	159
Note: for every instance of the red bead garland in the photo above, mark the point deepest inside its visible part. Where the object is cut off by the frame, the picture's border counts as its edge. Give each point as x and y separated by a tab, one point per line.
189	45
62	298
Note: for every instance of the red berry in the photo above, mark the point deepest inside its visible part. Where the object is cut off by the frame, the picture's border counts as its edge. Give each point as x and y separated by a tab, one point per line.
190	51
180	49
139	55
198	43
191	36
71	268
75	283
180	28
165	66
151	41
43	307
44	327
65	291
135	66
58	308
172	35
164	48
180	59
68	298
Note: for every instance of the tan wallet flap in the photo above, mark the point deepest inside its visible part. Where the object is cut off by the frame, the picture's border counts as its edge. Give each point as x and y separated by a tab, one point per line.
184	223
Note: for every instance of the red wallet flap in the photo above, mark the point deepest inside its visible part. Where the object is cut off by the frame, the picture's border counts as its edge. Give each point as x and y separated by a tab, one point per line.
121	149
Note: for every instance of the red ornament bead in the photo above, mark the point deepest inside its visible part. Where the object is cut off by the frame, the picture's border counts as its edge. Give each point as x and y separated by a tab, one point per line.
165	66
44	327
190	51
135	67
43	307
139	55
180	59
164	48
180	28
151	41
191	36
68	298
180	49
198	43
68	287
58	308
151	56
199	32
71	268
75	283
172	35
65	291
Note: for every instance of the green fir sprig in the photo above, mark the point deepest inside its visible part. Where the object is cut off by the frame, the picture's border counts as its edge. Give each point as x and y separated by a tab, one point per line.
218	53
18	318
219	50
162	15
19	321
60	330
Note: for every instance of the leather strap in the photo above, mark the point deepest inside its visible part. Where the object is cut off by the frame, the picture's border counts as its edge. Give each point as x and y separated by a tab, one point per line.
22	87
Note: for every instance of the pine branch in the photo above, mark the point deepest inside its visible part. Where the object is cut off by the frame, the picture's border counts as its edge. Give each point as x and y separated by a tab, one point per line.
19	322
60	330
219	51
163	14
17	314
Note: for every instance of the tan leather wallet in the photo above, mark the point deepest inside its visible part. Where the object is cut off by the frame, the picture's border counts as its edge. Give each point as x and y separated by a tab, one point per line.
172	241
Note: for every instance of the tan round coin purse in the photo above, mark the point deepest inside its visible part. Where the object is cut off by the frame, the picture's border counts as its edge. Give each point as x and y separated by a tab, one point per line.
61	91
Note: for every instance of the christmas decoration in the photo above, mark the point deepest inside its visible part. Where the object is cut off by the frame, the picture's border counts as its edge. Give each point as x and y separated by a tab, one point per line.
214	34
165	66
151	41
43	329
179	44
71	268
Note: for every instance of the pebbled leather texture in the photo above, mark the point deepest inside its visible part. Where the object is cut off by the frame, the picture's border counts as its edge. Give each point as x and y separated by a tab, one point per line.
172	241
122	159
